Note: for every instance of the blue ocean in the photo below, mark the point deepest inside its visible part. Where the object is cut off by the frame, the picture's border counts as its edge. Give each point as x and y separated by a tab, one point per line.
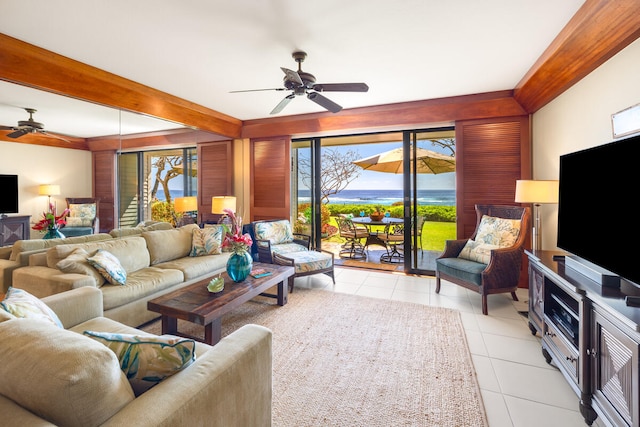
385	197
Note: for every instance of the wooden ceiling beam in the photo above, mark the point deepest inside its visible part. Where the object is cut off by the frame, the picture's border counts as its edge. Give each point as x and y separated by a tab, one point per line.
32	66
599	30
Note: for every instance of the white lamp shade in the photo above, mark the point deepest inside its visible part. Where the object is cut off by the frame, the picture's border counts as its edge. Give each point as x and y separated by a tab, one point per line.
219	203
536	191
49	190
185	204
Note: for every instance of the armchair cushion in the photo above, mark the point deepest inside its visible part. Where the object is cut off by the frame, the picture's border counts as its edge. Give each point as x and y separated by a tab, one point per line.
277	232
464	269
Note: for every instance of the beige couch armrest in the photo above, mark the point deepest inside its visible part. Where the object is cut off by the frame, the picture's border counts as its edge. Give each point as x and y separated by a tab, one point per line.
39	258
76	306
5	252
229	385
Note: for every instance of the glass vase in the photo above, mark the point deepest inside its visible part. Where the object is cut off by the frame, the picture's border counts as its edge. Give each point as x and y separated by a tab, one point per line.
239	266
53	233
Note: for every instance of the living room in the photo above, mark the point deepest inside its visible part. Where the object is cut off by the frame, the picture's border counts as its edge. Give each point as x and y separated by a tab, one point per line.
578	118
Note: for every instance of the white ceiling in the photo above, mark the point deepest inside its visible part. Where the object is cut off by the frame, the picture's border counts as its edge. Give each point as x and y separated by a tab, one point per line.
200	50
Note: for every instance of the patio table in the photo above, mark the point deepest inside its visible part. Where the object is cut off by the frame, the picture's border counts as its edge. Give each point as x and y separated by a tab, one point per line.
372	238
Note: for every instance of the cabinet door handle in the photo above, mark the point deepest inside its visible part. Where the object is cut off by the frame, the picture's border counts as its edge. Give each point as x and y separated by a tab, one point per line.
572	359
592	352
550	334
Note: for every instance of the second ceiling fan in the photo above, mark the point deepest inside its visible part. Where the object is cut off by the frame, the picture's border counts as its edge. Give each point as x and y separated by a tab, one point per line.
303	83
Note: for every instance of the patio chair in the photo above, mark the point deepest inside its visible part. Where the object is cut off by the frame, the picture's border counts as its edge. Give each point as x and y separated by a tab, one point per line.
490	261
352	233
393	238
277	244
416	231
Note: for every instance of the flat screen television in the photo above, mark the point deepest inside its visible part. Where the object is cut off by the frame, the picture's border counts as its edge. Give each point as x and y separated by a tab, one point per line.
8	194
597	217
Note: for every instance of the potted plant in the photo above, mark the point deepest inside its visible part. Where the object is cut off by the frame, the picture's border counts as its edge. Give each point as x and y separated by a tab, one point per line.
377	214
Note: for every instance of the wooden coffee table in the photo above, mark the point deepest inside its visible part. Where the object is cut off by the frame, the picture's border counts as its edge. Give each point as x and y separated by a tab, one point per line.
196	304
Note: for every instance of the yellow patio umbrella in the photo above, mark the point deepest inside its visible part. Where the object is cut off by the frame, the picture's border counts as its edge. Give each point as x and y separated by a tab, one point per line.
391	162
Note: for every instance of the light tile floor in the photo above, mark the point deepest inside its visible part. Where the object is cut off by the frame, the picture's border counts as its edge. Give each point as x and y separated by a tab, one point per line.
518	387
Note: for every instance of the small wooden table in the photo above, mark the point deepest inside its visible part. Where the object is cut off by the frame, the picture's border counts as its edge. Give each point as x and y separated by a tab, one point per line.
196	304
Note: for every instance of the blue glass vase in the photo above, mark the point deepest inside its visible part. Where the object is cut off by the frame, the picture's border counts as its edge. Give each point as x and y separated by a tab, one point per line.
53	233
239	266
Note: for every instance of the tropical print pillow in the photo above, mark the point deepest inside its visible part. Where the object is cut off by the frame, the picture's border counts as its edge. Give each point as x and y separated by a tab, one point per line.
147	360
81	215
277	232
21	303
207	241
109	267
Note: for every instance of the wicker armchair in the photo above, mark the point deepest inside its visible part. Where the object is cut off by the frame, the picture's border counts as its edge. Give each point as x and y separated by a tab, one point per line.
501	271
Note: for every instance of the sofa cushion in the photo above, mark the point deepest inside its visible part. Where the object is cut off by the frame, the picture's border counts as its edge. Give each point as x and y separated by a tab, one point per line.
109	267
147	360
5	315
62	376
131	252
77	262
44	244
166	245
140	284
277	232
21	303
206	241
193	267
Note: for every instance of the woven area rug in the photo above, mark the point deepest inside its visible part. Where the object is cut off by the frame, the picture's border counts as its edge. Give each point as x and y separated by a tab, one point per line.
343	360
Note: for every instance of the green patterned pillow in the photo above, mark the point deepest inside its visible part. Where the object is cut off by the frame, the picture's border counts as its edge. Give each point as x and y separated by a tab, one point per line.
147	360
109	267
477	251
21	303
206	241
277	232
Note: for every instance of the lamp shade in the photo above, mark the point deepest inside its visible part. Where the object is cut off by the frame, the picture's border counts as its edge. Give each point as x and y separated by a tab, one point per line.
49	190
532	191
219	203
185	204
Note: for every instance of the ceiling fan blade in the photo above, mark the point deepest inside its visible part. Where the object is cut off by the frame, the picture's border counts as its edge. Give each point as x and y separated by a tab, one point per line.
283	103
292	76
341	87
324	102
18	133
53	135
7	128
256	90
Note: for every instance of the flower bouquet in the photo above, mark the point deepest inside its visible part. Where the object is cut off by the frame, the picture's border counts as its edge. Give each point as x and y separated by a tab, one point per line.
240	262
51	223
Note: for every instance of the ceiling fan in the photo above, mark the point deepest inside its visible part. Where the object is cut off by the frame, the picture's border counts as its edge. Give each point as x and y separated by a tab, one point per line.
302	83
29	126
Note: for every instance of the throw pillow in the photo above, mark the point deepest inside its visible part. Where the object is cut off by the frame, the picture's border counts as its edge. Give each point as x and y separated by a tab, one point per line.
21	303
77	263
81	215
493	233
109	267
206	241
477	251
502	232
147	360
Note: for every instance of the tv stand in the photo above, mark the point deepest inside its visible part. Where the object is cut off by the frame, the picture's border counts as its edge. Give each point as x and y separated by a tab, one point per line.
591	335
14	228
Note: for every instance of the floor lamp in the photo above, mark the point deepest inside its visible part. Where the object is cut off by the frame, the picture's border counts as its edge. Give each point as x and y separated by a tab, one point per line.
536	192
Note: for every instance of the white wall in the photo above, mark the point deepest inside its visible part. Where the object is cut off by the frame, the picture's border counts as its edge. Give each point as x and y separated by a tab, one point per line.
581	118
35	165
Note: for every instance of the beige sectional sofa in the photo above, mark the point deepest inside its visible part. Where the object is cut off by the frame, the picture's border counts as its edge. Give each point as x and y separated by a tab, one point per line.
156	262
16	256
53	376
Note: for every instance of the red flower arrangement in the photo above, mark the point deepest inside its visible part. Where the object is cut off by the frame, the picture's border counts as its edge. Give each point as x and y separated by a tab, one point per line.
234	239
50	220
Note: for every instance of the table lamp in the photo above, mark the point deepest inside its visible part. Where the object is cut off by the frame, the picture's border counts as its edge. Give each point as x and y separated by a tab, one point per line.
186	205
49	190
219	204
536	192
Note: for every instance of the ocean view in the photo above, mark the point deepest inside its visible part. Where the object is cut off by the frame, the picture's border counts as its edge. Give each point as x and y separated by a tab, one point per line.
369	197
386	197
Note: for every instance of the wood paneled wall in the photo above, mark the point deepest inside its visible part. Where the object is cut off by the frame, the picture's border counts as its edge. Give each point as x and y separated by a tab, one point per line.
215	175
270	179
104	187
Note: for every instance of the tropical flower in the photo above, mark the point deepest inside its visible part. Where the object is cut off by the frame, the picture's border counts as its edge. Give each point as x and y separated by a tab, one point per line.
234	239
51	221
